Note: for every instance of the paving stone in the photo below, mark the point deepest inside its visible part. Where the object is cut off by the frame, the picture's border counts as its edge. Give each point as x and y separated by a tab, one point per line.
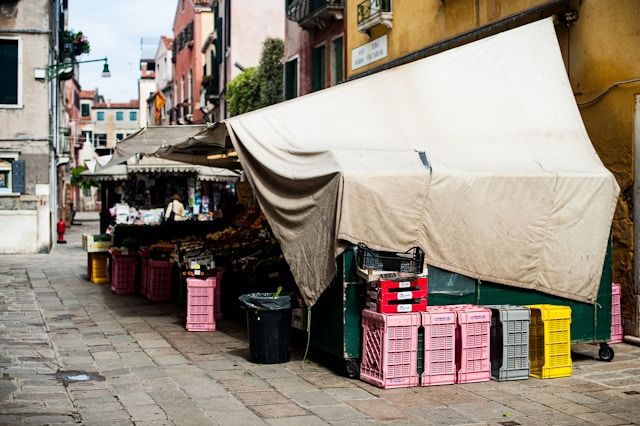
296	421
146	413
314	399
261	397
344	394
601	418
288	409
379	409
443	416
336	413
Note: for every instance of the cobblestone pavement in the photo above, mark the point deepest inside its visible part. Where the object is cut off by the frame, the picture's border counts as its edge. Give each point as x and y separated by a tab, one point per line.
151	371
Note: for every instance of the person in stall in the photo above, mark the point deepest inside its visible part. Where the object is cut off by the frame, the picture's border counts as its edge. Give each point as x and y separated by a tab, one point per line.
175	209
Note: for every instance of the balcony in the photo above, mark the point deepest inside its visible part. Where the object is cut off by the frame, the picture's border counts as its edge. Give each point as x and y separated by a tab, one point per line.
374	12
314	13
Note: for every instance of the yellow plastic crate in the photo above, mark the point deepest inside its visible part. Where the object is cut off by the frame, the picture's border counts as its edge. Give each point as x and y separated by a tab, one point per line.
98	268
550	341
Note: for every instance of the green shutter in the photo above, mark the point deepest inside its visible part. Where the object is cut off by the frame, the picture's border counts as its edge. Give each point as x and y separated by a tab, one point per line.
17	177
318	68
291	79
338	63
9	72
219	53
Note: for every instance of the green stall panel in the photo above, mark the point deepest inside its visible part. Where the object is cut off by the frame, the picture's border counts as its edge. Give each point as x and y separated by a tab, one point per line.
336	316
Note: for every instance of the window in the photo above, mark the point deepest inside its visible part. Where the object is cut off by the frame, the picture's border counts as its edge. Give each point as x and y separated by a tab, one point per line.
85	110
100	116
337	70
119	116
99	140
87	136
133	115
291	79
12	174
10	71
318	69
119	136
182	89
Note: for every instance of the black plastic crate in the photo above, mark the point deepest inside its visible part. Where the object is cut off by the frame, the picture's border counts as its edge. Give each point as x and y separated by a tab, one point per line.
411	261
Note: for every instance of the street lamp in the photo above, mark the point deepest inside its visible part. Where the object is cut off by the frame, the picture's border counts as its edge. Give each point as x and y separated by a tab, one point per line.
66	68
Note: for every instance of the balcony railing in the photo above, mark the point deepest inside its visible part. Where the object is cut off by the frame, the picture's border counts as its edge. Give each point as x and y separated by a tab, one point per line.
312	13
374	12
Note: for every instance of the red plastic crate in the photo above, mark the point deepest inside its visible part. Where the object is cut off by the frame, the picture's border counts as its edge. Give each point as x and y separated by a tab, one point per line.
616	314
217	306
398	306
439	323
473	342
385	295
200	304
144	257
402	283
159	275
389	349
123	273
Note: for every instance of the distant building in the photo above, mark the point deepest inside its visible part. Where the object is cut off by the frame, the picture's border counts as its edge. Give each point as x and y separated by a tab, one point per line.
146	89
239	32
113	122
160	104
30	100
314	46
192	24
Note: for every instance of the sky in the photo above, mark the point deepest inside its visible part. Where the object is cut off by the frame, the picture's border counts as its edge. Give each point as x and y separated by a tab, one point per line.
114	29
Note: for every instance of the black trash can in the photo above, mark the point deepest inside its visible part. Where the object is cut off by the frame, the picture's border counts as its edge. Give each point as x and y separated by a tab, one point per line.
269	327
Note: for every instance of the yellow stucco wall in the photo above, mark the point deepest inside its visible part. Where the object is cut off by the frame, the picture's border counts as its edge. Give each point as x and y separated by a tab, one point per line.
600	48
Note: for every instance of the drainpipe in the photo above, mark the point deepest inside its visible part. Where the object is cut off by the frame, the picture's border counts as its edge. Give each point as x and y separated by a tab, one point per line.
53	178
635	329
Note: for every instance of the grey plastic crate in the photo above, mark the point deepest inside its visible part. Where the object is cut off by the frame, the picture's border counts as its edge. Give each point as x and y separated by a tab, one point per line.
509	342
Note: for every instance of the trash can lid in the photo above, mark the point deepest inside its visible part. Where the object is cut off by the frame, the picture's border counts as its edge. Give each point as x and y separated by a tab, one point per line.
266	301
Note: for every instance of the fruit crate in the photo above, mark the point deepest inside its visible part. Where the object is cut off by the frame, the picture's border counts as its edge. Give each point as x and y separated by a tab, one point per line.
397	306
439	342
399	289
98	267
200	304
473	363
123	273
509	342
411	261
159	275
389	349
144	273
550	341
616	314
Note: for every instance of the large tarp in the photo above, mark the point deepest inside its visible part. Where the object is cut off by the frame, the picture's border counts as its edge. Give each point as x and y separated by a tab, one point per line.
477	155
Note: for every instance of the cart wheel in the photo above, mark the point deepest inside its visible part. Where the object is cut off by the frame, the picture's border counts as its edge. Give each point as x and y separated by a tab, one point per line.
606	353
352	369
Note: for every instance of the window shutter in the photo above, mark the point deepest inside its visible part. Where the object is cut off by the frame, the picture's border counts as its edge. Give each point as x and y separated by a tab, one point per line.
219	53
17	176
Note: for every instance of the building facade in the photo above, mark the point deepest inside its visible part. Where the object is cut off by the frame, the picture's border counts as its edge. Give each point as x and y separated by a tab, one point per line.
239	32
113	122
599	42
192	24
161	103
30	103
314	46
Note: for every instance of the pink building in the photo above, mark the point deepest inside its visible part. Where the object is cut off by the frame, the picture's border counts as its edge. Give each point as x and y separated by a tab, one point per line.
192	24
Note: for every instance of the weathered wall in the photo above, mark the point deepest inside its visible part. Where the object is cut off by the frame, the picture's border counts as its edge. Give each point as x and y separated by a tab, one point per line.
25	129
599	49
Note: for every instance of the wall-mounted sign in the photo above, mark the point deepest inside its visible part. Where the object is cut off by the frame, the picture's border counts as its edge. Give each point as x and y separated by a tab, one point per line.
368	53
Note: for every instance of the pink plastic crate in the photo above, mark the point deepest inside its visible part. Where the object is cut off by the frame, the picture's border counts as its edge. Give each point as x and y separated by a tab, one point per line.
159	275
123	273
200	304
439	324
473	341
217	306
616	315
389	349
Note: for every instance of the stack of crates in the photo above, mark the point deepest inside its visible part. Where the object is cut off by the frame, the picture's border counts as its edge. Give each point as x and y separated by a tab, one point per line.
509	342
98	267
473	363
123	274
389	349
616	318
200	304
159	276
398	295
550	341
439	341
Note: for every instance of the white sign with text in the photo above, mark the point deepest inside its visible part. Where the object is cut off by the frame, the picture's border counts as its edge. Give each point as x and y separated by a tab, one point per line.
368	53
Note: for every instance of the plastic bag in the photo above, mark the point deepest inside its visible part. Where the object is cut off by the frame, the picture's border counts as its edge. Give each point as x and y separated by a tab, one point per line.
266	301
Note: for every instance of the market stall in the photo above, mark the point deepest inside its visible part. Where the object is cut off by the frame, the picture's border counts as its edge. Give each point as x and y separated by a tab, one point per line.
481	160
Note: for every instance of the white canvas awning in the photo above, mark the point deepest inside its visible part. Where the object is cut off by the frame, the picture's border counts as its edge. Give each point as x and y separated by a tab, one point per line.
477	155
